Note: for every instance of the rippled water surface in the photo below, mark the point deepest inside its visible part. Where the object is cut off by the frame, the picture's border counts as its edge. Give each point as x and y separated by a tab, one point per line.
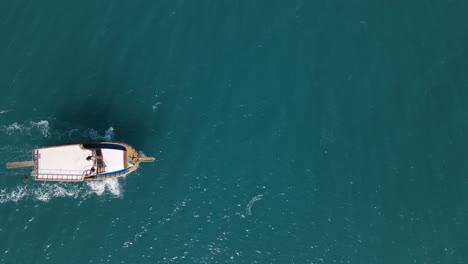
285	131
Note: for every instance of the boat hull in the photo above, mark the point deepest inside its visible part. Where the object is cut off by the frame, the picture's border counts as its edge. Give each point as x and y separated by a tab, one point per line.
83	162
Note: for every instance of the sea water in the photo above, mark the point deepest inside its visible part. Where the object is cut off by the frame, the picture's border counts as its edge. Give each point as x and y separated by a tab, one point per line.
284	131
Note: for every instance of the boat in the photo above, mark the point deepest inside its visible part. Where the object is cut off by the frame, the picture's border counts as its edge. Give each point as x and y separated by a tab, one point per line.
82	162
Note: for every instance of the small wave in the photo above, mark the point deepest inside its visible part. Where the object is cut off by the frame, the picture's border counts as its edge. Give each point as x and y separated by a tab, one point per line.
248	209
155	106
46	191
178	207
146	224
4	111
127	244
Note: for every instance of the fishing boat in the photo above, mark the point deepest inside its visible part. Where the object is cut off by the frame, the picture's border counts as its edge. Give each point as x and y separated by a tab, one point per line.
82	162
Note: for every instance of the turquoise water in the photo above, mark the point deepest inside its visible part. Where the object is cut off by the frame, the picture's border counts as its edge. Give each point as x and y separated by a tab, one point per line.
285	131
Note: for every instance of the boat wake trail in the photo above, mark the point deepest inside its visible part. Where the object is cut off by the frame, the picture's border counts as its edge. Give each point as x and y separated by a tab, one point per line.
44	192
41	129
92	134
28	128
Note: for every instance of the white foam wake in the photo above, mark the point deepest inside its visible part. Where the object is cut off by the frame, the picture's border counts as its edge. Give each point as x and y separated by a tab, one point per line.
99	187
46	191
28	128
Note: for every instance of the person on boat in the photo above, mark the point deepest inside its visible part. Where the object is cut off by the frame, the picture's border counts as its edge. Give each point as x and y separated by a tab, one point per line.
88	158
92	170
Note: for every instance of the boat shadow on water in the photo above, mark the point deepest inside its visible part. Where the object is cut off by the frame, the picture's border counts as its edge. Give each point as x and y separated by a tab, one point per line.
86	114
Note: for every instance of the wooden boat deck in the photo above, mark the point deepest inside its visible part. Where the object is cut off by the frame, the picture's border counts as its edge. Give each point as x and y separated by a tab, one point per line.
20	164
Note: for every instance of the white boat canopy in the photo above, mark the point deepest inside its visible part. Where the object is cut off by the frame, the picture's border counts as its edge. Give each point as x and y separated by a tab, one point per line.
74	162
